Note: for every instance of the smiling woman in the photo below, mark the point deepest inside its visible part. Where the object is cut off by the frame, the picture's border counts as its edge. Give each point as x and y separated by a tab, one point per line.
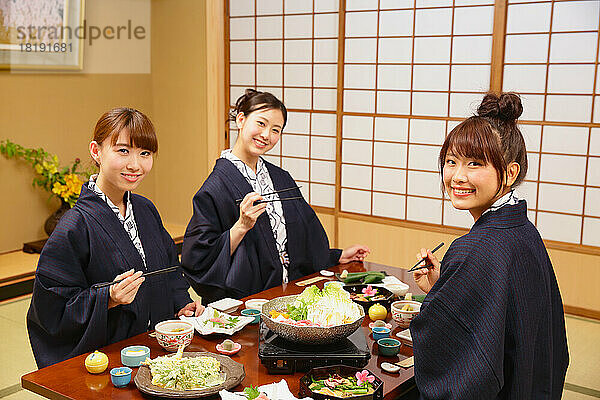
492	324
236	250
100	239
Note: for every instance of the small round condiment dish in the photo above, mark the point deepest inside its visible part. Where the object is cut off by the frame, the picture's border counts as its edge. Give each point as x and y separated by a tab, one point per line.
388	346
133	356
250	312
235	349
120	376
255	304
403	317
380	332
374	325
174	333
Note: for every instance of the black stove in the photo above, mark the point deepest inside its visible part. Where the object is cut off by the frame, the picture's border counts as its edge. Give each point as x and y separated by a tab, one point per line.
281	356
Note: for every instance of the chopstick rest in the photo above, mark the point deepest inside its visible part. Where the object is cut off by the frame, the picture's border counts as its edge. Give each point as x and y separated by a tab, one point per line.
157	272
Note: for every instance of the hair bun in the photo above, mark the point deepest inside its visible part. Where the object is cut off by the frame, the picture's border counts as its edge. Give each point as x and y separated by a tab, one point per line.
506	107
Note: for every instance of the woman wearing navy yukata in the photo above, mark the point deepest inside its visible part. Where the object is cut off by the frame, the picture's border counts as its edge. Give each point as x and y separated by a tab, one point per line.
233	249
109	234
492	323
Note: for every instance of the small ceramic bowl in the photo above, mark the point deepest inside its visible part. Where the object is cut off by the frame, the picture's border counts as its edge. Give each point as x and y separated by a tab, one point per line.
385	325
133	356
173	333
405	317
255	304
120	376
388	347
399	289
236	348
381	332
250	312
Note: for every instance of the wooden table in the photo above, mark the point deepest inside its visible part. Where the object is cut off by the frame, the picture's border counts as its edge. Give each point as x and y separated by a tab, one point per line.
70	380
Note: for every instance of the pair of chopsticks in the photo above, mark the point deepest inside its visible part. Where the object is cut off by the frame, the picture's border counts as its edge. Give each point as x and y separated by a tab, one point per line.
416	267
157	272
277	191
310	281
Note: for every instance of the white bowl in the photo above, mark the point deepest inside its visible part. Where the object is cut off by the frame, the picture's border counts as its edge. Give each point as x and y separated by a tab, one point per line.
404	317
399	289
173	333
255	304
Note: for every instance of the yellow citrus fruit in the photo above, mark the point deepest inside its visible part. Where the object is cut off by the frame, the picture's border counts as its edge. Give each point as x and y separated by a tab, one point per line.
377	311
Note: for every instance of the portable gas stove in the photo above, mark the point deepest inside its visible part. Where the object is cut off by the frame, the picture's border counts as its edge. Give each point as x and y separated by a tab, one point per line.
280	356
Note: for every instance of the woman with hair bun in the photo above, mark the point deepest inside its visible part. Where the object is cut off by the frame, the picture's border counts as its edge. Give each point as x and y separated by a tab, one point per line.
492	323
110	234
235	249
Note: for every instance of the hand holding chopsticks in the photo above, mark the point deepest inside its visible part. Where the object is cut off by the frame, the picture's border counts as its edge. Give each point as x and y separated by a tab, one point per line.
157	272
237	201
416	266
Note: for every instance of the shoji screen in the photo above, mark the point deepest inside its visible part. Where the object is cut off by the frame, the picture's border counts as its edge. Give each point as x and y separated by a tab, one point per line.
551	57
366	126
291	50
408	68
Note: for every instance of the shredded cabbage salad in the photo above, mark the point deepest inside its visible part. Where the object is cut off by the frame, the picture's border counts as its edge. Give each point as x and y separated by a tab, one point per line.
328	307
185	373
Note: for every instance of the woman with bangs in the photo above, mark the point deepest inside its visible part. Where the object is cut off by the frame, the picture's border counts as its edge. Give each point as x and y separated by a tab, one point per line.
243	238
492	323
109	234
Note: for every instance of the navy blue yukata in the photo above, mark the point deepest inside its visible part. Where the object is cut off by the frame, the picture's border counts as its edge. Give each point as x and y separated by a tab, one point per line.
492	327
90	245
255	265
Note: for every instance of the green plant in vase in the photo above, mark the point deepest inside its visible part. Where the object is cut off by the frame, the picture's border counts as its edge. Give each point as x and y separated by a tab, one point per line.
63	183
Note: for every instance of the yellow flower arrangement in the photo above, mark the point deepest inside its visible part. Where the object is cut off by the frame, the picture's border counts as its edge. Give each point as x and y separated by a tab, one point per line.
64	183
69	191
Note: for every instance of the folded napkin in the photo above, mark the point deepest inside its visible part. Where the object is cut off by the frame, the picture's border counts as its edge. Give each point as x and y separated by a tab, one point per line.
274	391
214	321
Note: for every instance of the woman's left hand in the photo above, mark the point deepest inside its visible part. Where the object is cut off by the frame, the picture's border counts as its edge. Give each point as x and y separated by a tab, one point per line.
357	252
192	309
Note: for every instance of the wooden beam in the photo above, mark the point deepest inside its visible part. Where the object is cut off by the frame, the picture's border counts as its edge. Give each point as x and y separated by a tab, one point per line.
340	116
498	43
215	76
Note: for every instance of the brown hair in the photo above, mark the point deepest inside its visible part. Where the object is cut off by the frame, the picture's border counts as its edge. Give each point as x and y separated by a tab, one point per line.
140	128
491	136
253	100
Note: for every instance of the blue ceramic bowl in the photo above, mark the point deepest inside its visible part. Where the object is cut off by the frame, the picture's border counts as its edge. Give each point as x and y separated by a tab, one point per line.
249	312
380	332
120	376
388	346
133	356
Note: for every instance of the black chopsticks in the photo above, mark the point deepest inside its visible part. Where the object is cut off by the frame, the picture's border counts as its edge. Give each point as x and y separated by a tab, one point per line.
157	272
280	199
275	192
415	267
